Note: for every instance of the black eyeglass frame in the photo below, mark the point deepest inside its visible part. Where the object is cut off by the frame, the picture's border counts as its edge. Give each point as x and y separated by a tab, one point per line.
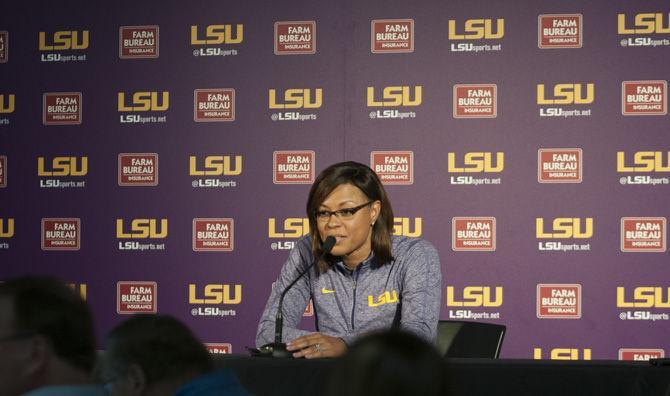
324	215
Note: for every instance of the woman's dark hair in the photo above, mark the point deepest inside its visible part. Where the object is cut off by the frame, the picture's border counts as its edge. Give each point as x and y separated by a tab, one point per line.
366	180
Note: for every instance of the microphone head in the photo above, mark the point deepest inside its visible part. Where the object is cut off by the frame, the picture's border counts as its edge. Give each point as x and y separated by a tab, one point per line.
328	244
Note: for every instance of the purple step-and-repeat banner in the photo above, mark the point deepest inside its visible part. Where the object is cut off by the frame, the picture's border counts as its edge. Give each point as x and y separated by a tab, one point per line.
158	156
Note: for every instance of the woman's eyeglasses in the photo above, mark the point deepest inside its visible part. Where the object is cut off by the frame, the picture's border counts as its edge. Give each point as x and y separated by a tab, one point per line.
344	214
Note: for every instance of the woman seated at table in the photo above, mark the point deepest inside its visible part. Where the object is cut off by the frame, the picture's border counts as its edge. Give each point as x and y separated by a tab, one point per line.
371	280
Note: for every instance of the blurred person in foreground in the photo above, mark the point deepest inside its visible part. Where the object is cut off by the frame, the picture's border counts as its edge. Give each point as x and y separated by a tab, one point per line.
158	355
391	363
371	279
47	340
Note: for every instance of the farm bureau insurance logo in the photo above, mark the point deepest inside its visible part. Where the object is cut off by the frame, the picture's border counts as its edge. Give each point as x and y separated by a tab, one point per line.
6	232
4	46
648	97
475	163
141	102
136	297
475	101
476	30
559	165
209	168
293	167
644	162
72	42
559	31
483	297
564	228
295	38
3	171
214	105
138	169
391	36
653	298
212	299
216	39
392	97
559	301
565	94
473	234
7	106
61	171
641	354
138	42
62	108
219	348
649	29
213	235
393	167
643	234
294	99
131	234
61	234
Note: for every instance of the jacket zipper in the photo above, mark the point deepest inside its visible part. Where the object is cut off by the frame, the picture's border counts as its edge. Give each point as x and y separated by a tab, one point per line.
353	305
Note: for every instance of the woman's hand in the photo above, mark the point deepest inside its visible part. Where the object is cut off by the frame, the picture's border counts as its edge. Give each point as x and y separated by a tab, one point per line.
316	345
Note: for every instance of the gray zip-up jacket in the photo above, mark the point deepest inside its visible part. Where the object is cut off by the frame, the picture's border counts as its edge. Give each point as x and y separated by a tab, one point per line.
351	303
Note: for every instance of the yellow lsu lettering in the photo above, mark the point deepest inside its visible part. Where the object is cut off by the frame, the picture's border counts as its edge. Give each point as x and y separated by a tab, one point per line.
8	106
476	162
7	232
395	96
294	227
477	29
402	226
476	296
80	289
644	297
564	354
296	98
216	165
384	298
567	94
142	228
644	161
644	23
565	227
218	34
64	40
215	294
144	101
63	166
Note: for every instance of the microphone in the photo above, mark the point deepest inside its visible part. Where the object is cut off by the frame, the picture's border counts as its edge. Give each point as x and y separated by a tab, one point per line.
278	348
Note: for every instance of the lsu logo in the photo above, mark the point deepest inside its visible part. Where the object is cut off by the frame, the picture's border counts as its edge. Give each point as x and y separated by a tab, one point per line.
402	226
218	34
564	354
215	294
475	296
144	101
647	23
383	299
297	99
7	103
6	228
80	289
477	29
644	161
644	297
476	162
64	40
63	166
142	228
565	228
293	227
396	97
567	94
215	165
640	354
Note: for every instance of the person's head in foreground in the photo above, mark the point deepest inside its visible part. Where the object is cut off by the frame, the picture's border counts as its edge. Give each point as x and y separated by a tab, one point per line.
159	355
46	338
347	201
387	364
